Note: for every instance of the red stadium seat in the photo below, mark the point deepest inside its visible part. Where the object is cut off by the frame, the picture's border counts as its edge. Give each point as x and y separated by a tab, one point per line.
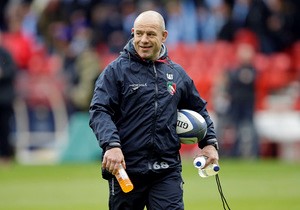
295	56
280	70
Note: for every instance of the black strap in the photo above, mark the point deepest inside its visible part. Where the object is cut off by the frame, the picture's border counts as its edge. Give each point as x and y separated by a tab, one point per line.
224	201
113	145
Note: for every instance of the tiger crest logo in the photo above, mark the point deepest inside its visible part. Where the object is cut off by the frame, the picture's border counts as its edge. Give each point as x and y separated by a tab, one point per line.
171	86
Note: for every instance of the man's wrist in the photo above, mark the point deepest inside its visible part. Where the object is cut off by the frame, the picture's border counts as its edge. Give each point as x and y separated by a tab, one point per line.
215	144
212	142
113	145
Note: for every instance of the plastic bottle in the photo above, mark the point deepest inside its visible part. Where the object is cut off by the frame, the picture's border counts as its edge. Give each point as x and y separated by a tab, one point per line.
210	170
123	179
199	162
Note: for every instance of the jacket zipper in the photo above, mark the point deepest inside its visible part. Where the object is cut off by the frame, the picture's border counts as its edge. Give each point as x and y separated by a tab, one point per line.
156	91
150	165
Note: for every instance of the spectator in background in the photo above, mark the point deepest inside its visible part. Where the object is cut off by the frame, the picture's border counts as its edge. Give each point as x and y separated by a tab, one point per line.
179	14
213	16
128	11
229	27
239	13
3	4
19	46
80	61
241	92
7	94
108	27
86	69
280	24
259	21
50	15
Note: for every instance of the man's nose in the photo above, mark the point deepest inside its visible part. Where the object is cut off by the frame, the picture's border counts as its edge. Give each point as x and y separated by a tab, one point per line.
144	38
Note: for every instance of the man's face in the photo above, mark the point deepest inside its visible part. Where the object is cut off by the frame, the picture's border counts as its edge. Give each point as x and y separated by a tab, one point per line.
148	38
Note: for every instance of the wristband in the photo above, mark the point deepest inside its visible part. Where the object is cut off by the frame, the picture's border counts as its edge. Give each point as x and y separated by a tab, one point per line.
113	145
212	142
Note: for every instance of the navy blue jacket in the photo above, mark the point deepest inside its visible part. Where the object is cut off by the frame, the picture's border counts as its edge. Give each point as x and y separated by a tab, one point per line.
8	70
135	103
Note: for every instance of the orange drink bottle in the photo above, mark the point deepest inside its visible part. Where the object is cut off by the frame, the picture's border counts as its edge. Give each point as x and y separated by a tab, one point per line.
123	179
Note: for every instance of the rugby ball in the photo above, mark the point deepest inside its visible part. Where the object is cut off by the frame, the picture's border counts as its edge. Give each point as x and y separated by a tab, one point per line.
191	126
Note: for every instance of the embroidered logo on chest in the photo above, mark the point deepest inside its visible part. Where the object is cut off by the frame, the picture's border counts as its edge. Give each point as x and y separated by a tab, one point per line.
137	86
169	76
171	86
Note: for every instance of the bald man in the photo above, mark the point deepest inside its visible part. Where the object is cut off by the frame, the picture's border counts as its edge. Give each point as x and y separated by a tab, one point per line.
133	114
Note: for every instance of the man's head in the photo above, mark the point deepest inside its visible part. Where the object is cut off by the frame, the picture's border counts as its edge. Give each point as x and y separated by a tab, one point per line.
149	34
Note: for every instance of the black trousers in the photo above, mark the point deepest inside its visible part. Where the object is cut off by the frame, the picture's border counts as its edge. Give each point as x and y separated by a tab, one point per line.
154	191
6	113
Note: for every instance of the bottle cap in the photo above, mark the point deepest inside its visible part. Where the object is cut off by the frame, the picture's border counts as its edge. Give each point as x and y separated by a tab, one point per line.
199	162
216	167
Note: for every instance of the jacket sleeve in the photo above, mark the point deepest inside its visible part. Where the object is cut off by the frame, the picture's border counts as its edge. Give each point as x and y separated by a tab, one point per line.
192	100
7	66
103	108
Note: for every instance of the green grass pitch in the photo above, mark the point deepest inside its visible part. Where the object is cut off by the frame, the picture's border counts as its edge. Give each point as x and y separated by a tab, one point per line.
247	185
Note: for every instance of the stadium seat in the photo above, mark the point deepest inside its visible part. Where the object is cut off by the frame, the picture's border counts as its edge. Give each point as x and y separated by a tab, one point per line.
279	70
107	58
295	56
179	54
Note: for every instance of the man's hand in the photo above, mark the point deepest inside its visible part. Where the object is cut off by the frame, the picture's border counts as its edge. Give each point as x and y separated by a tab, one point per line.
211	153
112	159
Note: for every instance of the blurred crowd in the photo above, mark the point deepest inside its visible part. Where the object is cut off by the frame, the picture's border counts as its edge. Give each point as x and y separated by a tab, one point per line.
274	21
79	32
60	46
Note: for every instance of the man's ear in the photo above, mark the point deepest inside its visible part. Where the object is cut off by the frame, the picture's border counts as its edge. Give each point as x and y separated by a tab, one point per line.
164	35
